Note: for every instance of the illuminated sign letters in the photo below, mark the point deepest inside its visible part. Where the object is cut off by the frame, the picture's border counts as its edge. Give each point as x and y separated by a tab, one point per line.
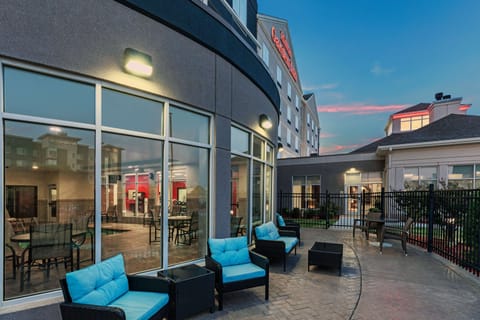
285	52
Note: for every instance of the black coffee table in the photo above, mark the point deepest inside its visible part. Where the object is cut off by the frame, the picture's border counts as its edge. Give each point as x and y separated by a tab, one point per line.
192	290
326	254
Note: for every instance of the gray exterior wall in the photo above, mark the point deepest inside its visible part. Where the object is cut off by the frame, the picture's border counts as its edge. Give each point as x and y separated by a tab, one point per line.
330	169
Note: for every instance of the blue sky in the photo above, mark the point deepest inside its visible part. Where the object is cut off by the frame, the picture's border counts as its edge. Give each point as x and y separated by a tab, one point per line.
366	59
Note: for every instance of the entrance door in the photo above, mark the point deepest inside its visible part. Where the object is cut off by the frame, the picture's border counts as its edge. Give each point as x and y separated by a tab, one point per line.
353	197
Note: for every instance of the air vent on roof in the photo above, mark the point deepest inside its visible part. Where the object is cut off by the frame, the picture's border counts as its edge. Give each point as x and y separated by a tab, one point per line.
438	96
447	96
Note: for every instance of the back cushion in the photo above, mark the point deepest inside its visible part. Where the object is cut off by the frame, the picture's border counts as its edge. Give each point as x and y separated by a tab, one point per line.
267	231
229	251
99	284
280	221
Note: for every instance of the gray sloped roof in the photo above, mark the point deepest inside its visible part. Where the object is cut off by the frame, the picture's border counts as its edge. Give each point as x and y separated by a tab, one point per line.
418	107
451	127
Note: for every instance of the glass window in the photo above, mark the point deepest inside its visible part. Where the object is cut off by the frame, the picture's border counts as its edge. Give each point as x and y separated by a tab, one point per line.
257	194
46	96
296	143
296	103
419	178
239	195
296	123
265	54
118	108
289	138
240	141
289	90
279	76
240	8
258	147
45	194
461	177
289	114
268	193
189	125
308	119
279	131
132	195
405	124
269	153
188	184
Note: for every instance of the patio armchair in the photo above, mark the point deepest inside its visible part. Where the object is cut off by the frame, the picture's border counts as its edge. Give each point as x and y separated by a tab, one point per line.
235	266
49	243
104	291
399	234
187	231
363	225
274	243
284	224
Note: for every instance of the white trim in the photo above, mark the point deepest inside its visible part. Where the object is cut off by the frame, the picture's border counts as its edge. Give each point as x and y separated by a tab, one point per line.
427	144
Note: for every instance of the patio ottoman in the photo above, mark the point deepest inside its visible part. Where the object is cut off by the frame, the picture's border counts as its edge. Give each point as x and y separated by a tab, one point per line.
326	254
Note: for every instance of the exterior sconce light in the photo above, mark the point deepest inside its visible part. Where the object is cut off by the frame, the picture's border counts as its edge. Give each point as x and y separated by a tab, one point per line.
280	147
265	122
137	63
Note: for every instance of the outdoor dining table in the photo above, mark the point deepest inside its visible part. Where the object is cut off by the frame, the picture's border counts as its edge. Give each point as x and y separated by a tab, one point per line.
25	237
380	230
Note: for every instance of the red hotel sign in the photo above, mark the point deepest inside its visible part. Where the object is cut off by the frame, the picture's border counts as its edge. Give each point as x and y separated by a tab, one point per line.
285	52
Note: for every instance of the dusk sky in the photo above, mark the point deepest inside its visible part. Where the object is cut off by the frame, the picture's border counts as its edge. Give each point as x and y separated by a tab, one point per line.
366	59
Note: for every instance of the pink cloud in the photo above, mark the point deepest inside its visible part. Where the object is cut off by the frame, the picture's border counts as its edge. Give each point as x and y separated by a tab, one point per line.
325	135
360	108
337	148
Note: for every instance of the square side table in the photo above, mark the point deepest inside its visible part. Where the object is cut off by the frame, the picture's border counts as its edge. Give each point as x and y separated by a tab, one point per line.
192	290
327	255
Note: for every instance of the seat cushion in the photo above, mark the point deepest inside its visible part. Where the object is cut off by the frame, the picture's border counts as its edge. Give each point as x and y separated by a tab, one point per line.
229	251
140	305
98	284
267	231
280	221
242	272
290	242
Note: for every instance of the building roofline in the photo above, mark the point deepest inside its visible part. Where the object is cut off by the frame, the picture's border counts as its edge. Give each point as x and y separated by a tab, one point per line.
383	149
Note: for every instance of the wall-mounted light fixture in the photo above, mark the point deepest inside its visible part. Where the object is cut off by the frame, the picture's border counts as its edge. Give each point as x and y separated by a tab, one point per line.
137	63
280	147
265	121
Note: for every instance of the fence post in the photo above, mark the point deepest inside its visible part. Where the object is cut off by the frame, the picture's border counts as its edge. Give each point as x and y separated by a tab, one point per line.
362	214
327	207
280	201
430	218
382	203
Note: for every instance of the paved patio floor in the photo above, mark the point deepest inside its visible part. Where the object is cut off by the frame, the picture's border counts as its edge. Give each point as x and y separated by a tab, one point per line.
372	286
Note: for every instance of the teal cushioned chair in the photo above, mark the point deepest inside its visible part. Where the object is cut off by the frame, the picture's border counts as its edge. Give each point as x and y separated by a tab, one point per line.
274	243
105	291
285	224
235	266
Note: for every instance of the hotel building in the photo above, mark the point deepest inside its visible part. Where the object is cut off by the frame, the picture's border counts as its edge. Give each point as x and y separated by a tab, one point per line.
299	127
117	116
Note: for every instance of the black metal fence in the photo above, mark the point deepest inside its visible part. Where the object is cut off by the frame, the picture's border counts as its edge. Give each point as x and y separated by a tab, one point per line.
447	222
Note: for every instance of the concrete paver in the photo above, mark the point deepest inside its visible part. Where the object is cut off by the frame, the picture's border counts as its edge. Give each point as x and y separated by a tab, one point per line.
372	286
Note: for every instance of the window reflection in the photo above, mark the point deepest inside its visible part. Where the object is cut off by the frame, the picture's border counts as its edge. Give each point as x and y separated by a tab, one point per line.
49	181
188	170
257	194
131	200
48	96
239	196
118	108
189	125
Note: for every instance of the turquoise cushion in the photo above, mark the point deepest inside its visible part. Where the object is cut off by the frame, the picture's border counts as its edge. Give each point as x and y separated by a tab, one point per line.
229	251
267	231
98	284
290	242
140	305
280	221
242	272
